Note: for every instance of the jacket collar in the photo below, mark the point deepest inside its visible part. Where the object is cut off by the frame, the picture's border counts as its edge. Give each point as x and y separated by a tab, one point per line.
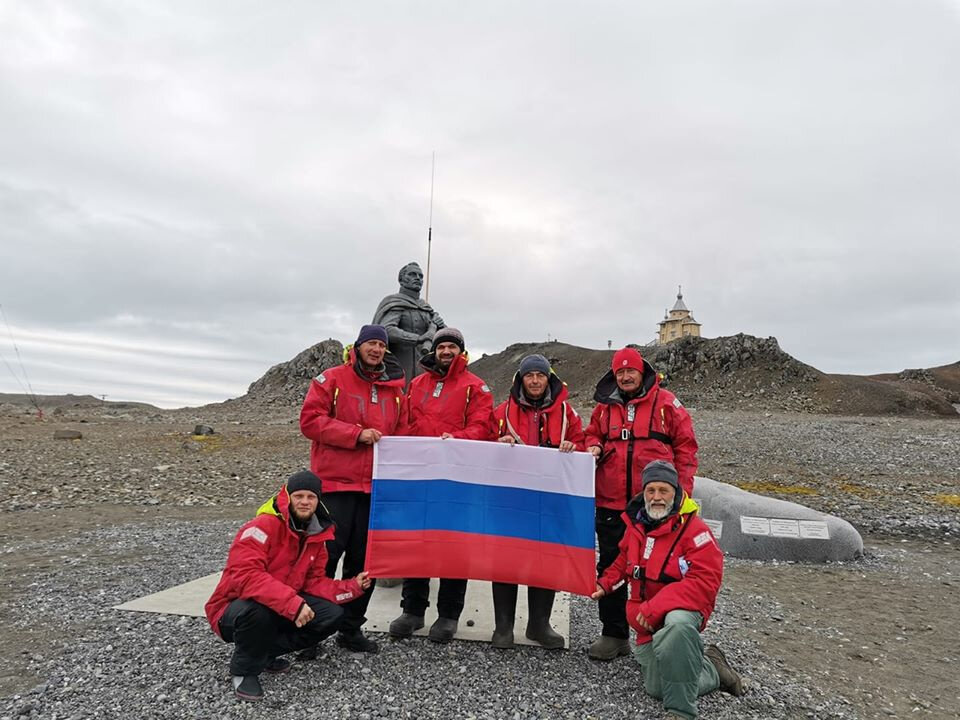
457	367
279	505
556	392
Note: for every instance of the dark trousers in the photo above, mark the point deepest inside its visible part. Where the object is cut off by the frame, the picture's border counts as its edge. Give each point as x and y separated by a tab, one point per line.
259	634
351	512
613	606
416	597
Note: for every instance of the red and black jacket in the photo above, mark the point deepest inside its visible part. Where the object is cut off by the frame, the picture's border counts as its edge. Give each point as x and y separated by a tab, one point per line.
456	402
632	432
545	425
674	565
341	402
272	563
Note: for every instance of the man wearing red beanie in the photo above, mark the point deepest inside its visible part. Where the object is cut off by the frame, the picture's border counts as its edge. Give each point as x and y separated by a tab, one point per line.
635	422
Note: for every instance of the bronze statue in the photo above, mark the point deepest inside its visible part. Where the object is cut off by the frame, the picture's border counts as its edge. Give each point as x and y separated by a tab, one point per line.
410	321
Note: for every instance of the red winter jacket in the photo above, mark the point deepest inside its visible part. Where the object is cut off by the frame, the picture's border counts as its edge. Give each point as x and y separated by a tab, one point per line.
545	426
272	563
457	402
675	566
341	402
654	425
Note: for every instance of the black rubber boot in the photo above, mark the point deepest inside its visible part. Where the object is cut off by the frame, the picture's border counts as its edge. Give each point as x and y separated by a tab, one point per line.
443	630
406	625
504	614
540	603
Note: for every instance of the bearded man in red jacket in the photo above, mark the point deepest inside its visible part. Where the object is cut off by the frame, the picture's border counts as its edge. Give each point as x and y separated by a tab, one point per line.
674	568
347	410
635	421
536	413
446	401
274	596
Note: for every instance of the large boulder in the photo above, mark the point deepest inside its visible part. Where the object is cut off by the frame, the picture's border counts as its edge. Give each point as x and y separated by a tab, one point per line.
761	528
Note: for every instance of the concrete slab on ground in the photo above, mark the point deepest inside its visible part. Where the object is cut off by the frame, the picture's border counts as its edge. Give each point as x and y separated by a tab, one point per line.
189	598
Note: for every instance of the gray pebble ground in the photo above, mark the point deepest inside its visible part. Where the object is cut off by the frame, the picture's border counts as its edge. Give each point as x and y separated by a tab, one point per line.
117	664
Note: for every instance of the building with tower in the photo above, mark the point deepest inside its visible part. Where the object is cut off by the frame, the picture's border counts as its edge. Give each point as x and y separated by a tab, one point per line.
678	322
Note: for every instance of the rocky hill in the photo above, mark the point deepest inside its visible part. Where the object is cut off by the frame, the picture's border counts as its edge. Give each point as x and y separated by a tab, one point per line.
738	372
286	383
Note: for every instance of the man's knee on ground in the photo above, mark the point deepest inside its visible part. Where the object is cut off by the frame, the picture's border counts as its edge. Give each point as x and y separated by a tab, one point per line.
652	683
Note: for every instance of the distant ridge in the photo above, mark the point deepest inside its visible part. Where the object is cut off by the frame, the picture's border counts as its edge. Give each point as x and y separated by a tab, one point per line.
740	372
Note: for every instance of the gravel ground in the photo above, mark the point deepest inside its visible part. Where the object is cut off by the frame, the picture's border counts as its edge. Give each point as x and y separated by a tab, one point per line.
139	505
110	663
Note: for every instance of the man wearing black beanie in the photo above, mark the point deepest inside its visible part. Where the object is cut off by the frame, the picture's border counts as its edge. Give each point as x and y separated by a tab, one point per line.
255	607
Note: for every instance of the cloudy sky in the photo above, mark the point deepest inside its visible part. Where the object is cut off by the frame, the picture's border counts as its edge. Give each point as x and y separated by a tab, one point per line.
193	192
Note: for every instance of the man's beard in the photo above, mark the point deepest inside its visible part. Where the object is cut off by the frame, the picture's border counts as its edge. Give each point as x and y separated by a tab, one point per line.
298	518
656	513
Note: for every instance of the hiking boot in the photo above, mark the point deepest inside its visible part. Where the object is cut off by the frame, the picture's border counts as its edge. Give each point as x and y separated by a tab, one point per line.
443	630
356	641
673	716
405	625
606	648
502	639
730	680
278	665
247	687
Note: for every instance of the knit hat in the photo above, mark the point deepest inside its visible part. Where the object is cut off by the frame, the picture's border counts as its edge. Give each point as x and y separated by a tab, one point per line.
448	334
304	480
534	363
661	471
627	358
371	332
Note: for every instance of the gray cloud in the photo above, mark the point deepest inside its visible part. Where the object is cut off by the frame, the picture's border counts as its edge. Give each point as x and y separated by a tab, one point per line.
226	184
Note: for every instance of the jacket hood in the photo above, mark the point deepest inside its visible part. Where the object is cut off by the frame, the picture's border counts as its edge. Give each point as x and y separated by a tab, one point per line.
683	505
608	393
391	369
429	363
279	505
556	388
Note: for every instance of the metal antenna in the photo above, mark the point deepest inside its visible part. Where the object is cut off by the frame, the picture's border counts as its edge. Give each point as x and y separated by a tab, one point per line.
433	164
29	389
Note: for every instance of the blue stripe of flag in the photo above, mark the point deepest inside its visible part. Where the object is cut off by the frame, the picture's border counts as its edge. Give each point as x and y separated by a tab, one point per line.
482	509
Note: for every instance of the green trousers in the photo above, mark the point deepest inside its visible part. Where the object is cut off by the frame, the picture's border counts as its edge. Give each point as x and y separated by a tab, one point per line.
674	666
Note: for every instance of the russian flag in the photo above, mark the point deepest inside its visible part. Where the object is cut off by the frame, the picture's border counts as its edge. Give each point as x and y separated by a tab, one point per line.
483	511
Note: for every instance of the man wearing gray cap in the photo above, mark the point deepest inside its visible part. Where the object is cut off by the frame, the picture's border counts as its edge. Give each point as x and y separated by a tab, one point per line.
536	413
674	569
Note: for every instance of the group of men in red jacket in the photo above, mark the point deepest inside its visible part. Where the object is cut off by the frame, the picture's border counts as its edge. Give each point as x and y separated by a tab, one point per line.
643	441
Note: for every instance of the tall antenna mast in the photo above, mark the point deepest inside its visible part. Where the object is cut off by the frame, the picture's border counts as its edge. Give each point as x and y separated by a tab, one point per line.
433	164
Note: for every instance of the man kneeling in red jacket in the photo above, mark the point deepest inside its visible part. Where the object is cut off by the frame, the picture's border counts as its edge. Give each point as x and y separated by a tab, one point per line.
674	568
274	596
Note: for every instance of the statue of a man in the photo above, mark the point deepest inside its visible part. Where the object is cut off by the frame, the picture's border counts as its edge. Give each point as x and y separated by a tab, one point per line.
410	321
